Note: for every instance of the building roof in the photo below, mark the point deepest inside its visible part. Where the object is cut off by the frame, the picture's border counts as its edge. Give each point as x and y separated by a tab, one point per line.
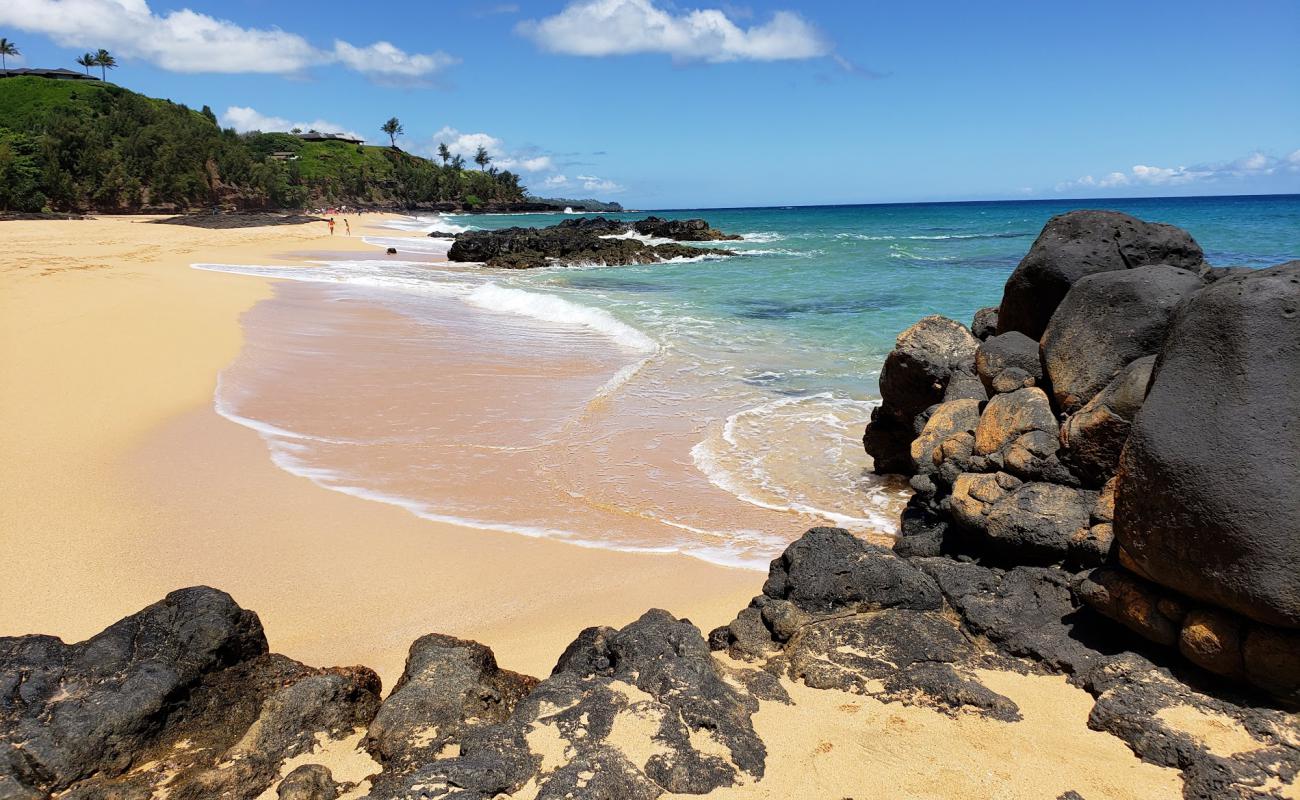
317	136
65	74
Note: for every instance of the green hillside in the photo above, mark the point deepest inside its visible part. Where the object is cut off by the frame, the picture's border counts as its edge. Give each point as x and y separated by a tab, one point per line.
90	146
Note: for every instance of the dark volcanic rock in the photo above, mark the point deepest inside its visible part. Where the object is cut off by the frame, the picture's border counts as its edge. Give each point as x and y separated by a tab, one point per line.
657	671
124	680
1094	437
1208	491
894	655
181	694
571	242
1107	321
915	376
985	323
448	685
829	569
681	230
1012	350
1082	243
308	782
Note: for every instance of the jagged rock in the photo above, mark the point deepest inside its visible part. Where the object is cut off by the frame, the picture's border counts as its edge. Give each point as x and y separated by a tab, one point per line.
946	419
1092	546
1081	243
1011	350
1138	605
124	680
1146	706
894	655
1028	523
985	323
1028	612
656	678
922	532
682	230
181	694
1008	416
915	376
568	242
1208	490
308	782
448	684
1093	438
1107	321
829	569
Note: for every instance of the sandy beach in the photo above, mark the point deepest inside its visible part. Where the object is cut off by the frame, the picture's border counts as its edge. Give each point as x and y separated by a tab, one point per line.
122	483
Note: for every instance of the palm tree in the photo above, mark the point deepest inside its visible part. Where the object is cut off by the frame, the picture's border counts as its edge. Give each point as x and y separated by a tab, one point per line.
87	61
458	162
394	129
106	62
7	48
444	153
481	157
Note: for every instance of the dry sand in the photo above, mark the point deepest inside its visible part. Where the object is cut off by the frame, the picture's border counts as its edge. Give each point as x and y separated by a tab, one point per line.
121	484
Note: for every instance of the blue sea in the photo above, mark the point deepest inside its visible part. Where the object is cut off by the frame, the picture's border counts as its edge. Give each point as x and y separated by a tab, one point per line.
709	406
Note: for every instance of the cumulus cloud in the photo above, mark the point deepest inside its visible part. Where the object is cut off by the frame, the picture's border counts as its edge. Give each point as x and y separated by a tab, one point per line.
467	144
1256	164
622	27
188	41
244	119
594	184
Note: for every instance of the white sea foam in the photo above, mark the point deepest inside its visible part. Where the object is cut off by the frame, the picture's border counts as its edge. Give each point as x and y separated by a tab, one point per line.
640	237
433	224
761	236
549	308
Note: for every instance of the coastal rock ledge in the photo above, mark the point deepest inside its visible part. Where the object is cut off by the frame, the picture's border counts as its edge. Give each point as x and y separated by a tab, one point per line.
1134	425
589	240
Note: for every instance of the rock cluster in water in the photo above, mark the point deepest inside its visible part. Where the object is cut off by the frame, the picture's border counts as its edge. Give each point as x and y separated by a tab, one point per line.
1128	413
588	240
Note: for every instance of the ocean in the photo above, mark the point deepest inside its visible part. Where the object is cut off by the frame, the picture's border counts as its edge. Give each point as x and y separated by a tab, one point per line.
711	406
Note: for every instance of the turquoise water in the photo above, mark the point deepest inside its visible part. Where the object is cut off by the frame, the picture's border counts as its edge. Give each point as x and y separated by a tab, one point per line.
823	291
713	407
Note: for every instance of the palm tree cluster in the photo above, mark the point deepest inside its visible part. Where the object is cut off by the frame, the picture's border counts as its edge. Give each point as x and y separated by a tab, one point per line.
102	59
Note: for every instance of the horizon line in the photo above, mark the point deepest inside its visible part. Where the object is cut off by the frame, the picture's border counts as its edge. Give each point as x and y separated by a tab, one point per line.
782	206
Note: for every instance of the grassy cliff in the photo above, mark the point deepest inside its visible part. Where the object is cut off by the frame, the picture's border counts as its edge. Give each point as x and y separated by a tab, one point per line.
90	146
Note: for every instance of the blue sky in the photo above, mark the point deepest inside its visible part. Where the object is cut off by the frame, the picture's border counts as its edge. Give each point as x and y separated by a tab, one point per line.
708	103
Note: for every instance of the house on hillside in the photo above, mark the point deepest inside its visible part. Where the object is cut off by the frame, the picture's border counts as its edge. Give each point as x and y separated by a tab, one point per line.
56	74
317	136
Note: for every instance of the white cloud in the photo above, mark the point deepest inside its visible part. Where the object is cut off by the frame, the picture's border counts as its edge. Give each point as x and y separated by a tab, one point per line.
467	144
187	41
622	27
244	119
555	181
1254	164
594	184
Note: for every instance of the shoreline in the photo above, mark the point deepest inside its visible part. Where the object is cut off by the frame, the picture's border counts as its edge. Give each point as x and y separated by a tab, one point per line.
113	345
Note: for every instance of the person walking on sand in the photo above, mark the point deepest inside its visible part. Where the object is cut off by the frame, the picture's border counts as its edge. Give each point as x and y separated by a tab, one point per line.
347	227
331	226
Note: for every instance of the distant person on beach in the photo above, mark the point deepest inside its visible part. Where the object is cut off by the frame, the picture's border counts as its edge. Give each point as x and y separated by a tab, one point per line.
347	227
331	226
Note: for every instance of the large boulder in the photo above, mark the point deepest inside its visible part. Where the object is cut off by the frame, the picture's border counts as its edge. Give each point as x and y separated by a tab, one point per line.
1208	490
682	230
1081	243
1025	523
916	374
1094	437
1107	321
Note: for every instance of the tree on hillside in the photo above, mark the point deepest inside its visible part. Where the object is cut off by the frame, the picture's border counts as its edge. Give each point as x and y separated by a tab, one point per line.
444	153
87	61
458	162
394	129
7	48
481	157
105	61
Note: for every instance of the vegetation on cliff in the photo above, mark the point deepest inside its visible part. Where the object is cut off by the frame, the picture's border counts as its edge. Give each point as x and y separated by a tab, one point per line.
81	145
